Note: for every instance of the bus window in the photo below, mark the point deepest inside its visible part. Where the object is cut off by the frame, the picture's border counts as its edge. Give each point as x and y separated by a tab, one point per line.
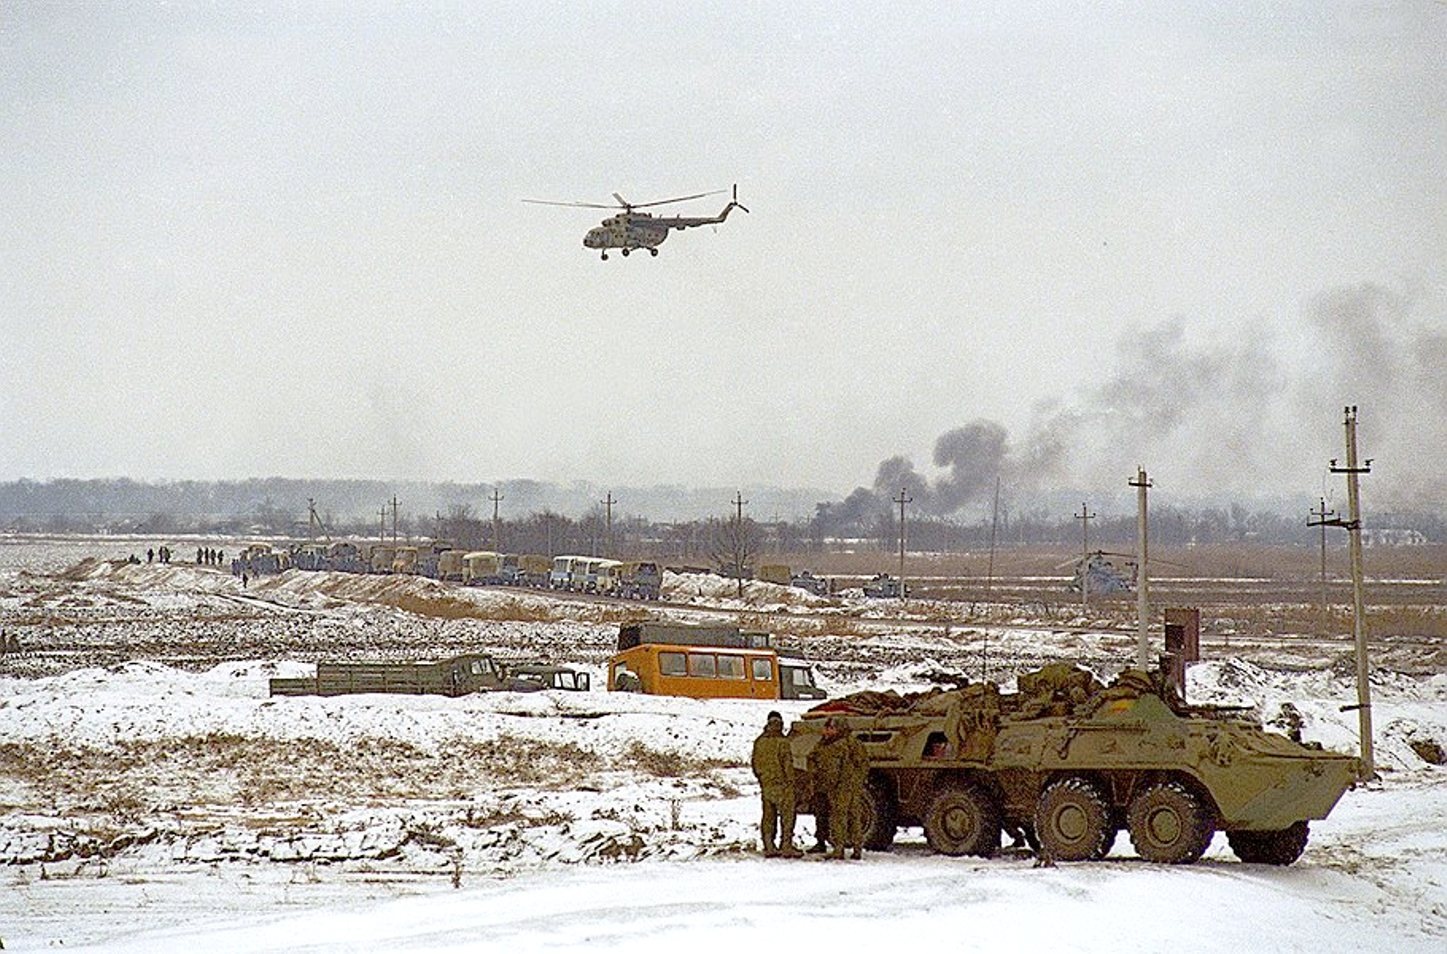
763	670
671	664
731	667
700	664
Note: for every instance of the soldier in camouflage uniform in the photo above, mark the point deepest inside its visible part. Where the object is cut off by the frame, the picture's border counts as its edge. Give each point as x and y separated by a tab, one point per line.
773	764
839	766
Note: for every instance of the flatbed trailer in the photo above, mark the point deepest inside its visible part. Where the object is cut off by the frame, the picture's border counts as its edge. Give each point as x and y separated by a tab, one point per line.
460	675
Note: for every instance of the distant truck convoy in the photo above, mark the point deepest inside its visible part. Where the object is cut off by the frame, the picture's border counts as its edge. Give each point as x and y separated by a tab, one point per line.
458	676
706	662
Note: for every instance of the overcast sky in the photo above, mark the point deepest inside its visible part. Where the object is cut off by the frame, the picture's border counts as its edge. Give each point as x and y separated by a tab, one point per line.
288	240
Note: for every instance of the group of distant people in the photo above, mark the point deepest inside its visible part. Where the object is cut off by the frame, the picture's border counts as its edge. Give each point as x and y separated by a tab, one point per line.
205	556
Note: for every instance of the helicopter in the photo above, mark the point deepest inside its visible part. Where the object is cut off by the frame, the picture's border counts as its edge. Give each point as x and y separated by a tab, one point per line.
1100	574
1104	577
630	229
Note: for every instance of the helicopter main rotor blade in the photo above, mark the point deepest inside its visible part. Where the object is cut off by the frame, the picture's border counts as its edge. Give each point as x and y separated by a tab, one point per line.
573	205
682	198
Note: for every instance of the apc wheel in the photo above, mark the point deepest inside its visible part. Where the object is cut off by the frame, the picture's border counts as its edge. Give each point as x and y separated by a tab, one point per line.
1270	847
1169	825
1072	821
880	816
653	252
962	821
625	253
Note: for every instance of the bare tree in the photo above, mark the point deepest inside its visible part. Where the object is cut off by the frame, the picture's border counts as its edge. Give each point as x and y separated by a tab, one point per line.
735	546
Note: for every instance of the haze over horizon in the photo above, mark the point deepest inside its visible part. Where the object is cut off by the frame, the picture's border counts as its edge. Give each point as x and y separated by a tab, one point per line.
996	239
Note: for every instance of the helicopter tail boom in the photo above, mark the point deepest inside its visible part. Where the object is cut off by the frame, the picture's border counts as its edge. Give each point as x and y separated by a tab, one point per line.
689	222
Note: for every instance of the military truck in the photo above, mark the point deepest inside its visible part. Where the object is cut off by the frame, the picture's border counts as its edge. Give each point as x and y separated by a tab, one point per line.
640	580
1067	763
775	573
534	677
457	676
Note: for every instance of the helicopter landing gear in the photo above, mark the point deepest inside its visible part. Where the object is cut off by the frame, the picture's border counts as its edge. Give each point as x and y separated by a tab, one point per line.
653	252
605	256
625	252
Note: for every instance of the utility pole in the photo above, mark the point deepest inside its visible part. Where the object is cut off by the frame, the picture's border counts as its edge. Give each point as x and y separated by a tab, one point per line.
902	499
1353	525
1323	519
1085	516
315	522
994	526
382	529
738	541
608	503
989	583
394	520
496	526
1142	483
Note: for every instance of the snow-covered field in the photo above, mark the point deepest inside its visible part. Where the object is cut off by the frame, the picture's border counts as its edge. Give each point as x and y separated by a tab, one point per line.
153	797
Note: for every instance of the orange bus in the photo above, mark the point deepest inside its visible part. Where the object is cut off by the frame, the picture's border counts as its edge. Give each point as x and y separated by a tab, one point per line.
710	672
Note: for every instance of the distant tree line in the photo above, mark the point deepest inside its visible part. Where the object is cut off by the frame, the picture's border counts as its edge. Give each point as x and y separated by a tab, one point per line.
460	514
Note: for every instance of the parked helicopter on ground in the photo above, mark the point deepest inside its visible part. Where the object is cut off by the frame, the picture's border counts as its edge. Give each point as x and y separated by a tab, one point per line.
630	229
1101	577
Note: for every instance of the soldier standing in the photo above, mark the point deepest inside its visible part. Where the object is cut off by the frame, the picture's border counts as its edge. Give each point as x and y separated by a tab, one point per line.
819	805
841	767
773	764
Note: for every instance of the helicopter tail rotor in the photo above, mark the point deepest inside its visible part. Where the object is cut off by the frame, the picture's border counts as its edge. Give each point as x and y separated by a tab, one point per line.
734	203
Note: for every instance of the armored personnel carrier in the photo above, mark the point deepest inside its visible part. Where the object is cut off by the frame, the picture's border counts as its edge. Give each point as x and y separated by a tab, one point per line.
1068	763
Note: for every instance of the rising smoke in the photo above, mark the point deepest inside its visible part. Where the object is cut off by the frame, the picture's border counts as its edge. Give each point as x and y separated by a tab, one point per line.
1225	417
